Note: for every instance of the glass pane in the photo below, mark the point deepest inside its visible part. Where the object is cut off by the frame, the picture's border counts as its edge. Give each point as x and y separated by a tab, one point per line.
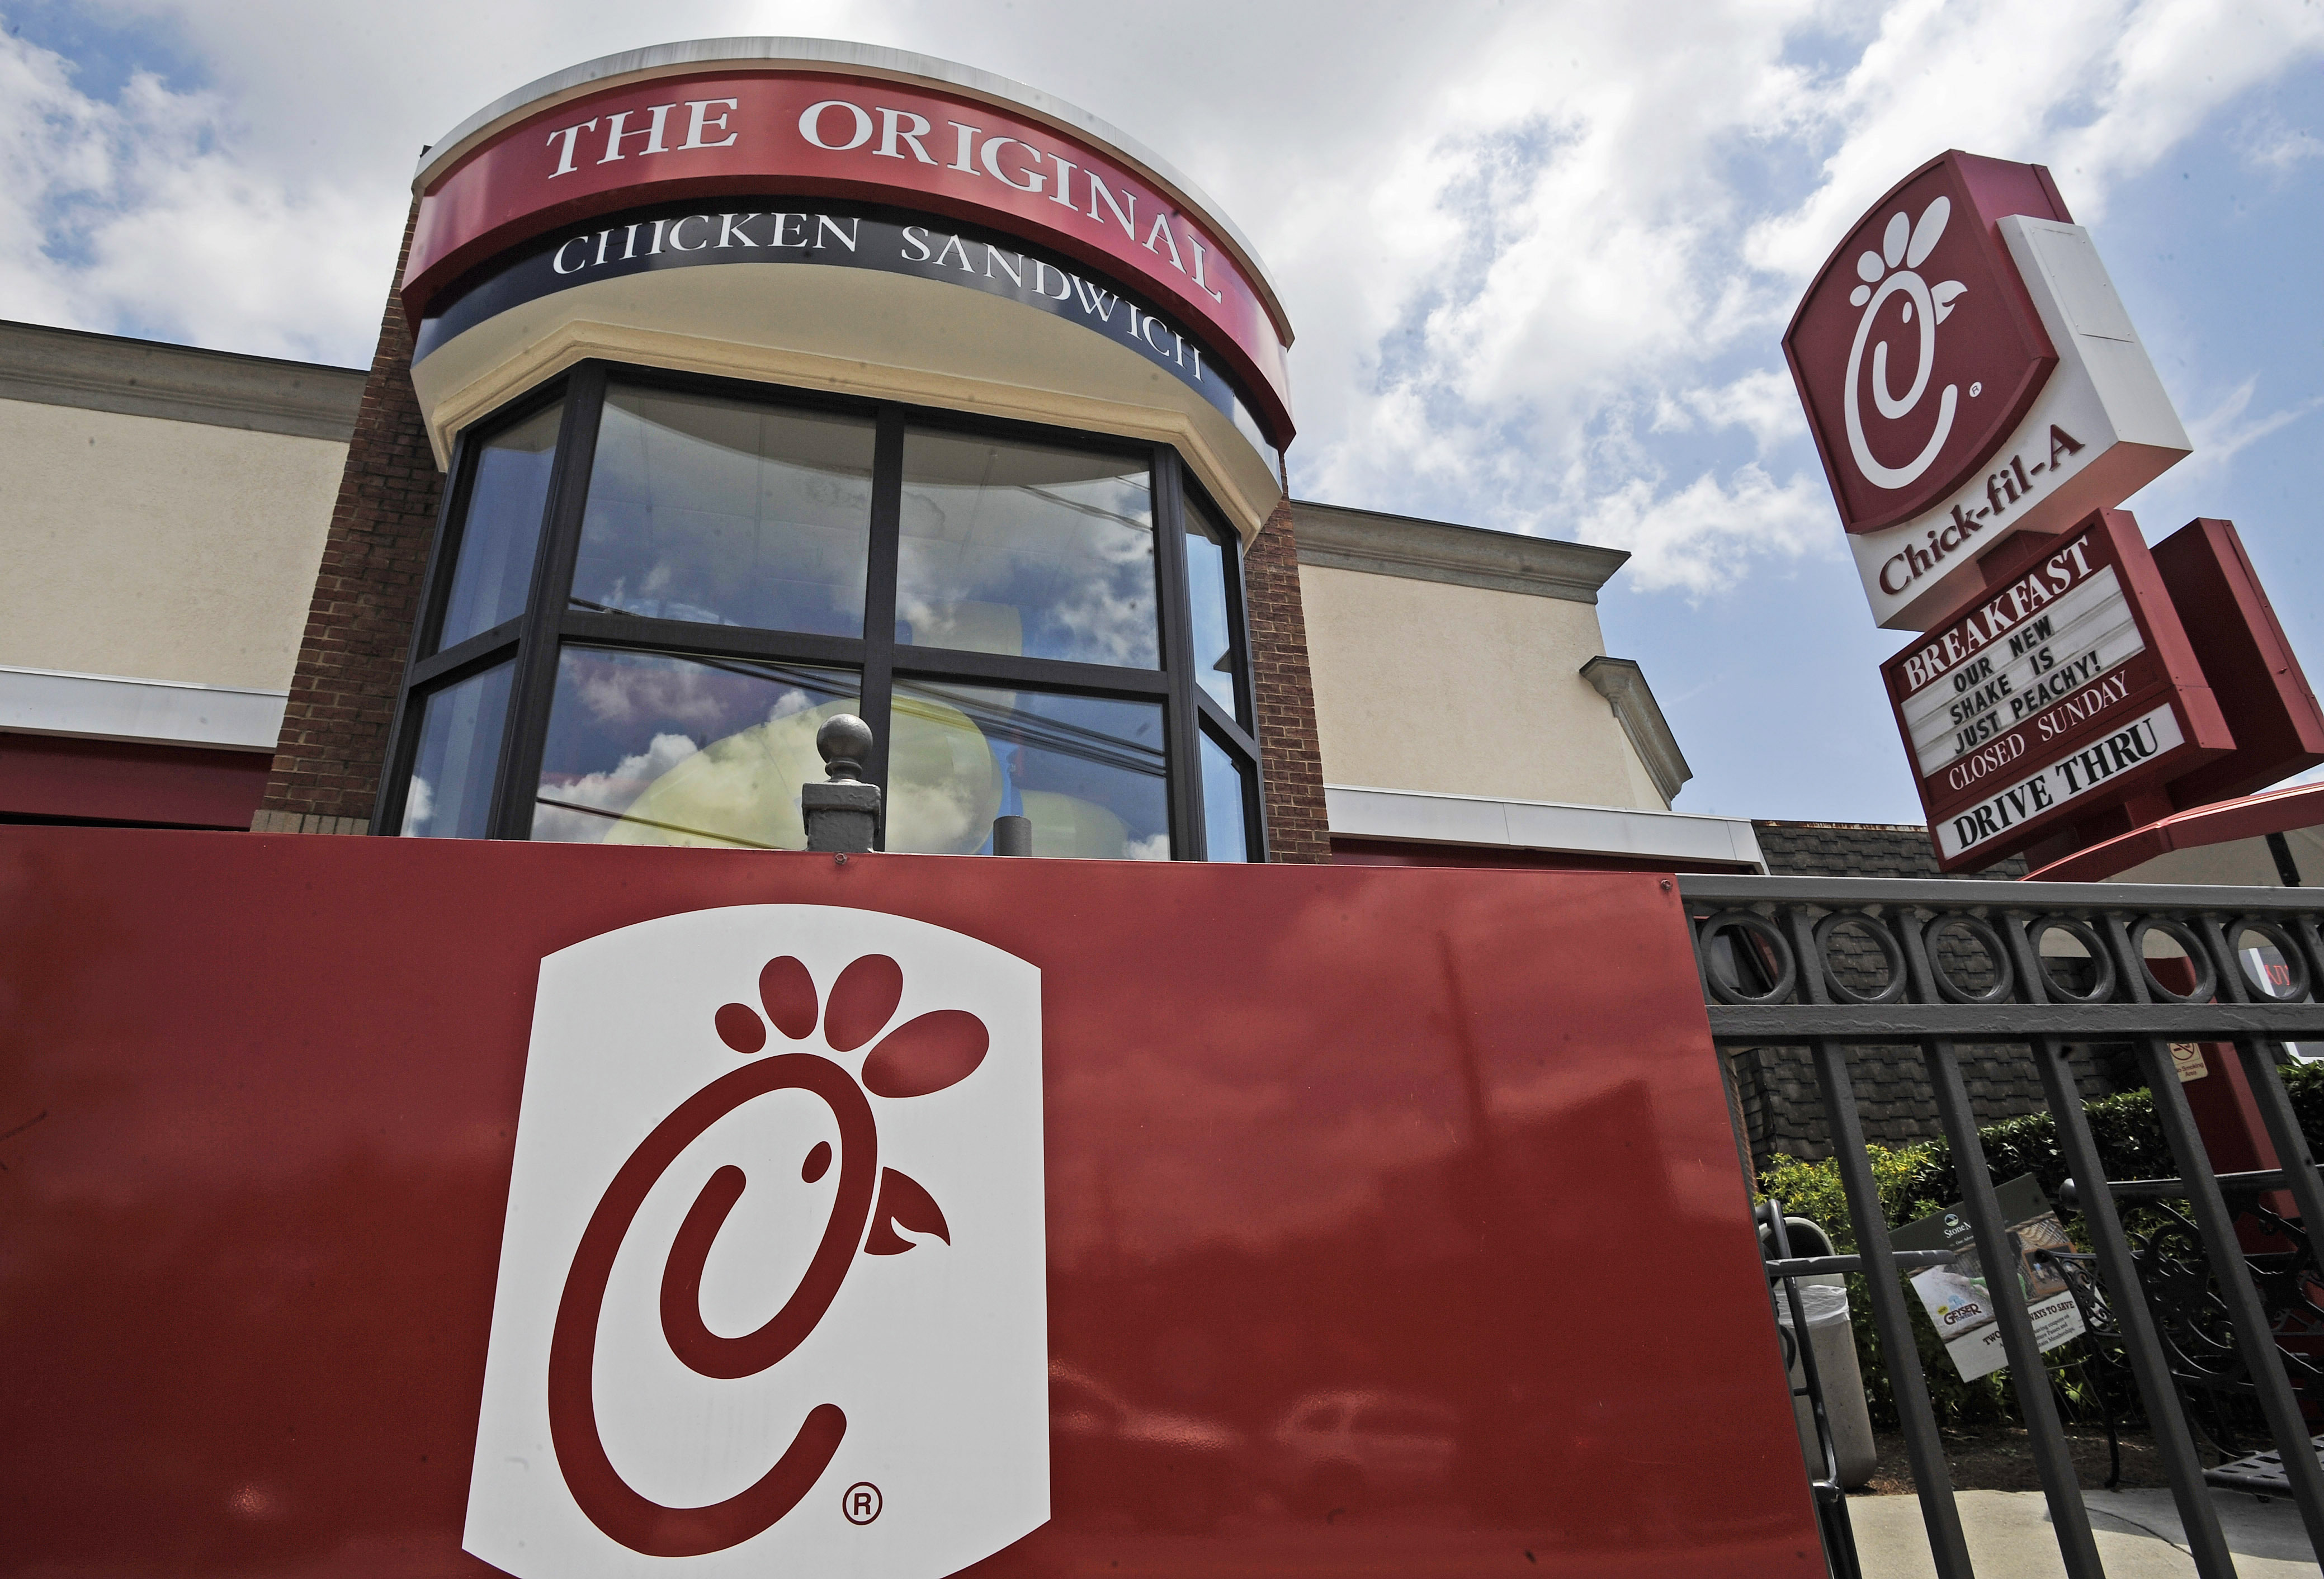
648	750
1208	566
727	513
451	791
1223	822
1087	772
1041	553
505	503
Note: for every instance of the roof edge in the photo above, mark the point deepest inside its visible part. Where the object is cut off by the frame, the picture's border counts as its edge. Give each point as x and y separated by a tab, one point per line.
1340	537
1624	686
43	366
1429	816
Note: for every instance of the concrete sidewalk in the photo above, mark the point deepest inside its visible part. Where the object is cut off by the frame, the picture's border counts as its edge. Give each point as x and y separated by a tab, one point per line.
2138	1536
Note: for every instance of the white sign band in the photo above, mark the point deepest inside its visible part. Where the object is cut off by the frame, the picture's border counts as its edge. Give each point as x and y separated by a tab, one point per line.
2097	764
2087	633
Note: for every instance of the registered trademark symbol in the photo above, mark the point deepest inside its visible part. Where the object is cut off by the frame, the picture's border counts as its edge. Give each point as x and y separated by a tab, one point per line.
1975	390
861	1502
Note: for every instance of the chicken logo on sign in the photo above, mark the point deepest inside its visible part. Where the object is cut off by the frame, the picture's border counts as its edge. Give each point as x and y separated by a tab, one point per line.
1916	350
1902	249
772	1287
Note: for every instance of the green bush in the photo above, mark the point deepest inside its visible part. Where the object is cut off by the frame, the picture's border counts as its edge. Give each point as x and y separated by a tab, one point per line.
1915	1180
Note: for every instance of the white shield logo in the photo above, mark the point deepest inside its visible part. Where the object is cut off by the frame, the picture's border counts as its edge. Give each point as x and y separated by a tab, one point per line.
772	1289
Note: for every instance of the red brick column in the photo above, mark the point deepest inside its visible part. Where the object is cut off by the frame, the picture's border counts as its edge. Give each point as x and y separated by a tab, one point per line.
329	760
1289	759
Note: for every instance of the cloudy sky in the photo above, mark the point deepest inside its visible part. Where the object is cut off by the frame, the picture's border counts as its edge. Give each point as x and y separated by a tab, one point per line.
1539	256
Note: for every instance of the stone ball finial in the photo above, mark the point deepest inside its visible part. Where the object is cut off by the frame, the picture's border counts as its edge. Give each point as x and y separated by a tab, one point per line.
846	741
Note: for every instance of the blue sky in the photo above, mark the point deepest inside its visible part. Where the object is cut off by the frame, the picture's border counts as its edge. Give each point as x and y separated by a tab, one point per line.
2212	249
1539	257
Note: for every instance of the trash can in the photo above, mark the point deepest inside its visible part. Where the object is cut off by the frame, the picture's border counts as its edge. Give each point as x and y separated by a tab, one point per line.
1823	1299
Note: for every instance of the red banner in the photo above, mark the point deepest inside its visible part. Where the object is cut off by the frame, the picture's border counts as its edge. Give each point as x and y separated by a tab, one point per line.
1093	1216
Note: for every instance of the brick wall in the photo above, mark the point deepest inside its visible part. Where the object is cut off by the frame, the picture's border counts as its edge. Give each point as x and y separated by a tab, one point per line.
329	760
1291	762
1776	1087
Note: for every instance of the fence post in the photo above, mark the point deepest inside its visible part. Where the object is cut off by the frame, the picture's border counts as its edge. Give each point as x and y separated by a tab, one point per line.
2182	1466
1899	1349
2027	1377
842	813
2253	1336
1796	996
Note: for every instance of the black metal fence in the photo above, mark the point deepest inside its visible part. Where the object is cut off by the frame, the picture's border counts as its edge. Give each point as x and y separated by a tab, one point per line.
1832	964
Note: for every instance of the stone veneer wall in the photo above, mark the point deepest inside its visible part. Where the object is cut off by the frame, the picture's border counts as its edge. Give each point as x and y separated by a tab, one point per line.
333	742
1861	849
1291	762
1776	1087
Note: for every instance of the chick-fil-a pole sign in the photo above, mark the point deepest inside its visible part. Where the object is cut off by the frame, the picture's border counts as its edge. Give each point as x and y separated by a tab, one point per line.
1968	374
2064	685
822	133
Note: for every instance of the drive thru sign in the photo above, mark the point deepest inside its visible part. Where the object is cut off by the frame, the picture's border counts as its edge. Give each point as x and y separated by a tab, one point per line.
2067	679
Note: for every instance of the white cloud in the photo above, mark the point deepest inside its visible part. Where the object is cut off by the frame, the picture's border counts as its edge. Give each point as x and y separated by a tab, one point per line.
419	804
2225	430
136	213
2285	148
1763	402
1538	256
2219	434
2171	65
260	212
1589	260
1700	538
2278	147
609	792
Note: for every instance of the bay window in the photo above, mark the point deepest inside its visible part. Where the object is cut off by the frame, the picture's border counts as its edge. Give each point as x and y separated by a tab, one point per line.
650	591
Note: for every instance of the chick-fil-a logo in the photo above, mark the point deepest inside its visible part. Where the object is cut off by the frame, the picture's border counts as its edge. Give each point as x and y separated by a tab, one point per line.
1917	351
709	1343
1894	270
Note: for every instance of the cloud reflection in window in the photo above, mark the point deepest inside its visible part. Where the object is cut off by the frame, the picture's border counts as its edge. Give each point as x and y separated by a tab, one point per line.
1025	551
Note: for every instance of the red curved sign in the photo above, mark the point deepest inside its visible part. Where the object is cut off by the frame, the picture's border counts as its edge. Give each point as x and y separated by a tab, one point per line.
1917	350
825	134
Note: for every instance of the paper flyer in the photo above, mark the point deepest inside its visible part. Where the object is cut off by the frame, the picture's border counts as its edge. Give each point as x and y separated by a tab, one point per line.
1958	1297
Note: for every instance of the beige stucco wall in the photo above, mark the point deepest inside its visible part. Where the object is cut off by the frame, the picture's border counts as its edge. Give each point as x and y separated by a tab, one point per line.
159	549
1461	690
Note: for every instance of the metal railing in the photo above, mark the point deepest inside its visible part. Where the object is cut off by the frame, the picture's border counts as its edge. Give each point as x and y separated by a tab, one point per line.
1824	964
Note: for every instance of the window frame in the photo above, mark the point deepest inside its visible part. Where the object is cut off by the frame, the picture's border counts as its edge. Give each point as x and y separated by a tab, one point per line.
1227	729
536	637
